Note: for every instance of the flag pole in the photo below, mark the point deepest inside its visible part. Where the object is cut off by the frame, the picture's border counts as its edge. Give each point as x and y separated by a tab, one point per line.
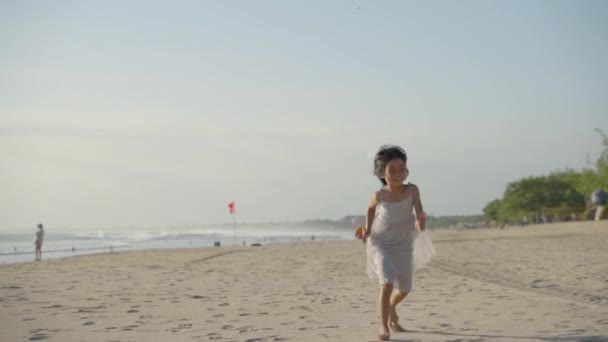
234	228
232	211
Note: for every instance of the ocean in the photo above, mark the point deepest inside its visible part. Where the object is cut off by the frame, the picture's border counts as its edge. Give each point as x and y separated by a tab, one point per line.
19	247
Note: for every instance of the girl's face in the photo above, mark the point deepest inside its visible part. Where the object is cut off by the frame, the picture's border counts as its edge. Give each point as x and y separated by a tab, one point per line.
395	172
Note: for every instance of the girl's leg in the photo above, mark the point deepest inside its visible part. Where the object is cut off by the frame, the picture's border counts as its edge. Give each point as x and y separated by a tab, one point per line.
396	298
385	303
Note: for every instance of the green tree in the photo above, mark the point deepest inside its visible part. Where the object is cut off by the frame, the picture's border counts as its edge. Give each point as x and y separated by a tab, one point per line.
490	211
557	193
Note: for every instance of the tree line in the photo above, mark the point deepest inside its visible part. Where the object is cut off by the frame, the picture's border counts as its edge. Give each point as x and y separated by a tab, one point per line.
559	195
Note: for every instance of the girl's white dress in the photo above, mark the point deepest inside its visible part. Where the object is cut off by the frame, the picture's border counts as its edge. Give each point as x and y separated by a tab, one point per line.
390	246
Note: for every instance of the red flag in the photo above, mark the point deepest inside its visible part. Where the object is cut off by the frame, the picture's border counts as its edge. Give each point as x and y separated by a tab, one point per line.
231	207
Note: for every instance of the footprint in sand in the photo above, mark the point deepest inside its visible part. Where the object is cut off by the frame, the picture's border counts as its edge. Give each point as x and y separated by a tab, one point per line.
214	336
38	334
245	329
56	306
132	326
576	331
181	327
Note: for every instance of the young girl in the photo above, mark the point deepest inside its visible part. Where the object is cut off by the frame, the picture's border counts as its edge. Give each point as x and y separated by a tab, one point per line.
391	231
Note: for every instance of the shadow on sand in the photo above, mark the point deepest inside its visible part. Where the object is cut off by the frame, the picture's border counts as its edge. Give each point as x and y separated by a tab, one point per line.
485	337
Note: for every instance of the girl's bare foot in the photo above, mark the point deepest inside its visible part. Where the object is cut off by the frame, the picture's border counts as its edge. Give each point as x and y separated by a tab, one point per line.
396	327
384	335
393	320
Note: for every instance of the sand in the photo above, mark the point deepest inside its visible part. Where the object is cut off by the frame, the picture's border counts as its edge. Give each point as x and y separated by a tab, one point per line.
538	283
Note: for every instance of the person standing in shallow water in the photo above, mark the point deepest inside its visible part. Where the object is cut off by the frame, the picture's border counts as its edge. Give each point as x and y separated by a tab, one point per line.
391	229
38	242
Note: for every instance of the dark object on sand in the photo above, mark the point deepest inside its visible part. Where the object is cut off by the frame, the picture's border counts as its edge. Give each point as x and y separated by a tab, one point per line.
599	197
256	245
216	244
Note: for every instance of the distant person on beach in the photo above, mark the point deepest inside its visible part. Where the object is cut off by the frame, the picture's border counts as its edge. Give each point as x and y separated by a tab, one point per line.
38	242
598	212
390	234
504	223
599	198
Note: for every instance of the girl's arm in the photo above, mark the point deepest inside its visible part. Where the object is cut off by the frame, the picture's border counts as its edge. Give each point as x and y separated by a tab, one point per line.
420	214
371	212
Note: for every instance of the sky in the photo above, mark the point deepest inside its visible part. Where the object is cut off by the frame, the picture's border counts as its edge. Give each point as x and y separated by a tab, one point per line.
160	113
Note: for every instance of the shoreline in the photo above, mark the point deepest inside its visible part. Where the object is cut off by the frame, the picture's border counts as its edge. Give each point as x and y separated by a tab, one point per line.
440	235
170	243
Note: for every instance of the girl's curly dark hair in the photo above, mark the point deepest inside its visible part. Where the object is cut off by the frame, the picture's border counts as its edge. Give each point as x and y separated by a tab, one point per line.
384	156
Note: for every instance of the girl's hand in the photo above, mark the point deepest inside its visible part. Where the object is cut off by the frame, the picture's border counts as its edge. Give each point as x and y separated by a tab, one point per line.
359	232
365	236
420	224
362	234
420	221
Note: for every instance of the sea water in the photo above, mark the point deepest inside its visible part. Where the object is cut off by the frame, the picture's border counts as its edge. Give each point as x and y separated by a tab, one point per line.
17	247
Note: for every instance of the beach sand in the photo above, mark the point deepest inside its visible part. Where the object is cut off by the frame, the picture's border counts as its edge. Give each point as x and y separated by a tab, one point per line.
537	283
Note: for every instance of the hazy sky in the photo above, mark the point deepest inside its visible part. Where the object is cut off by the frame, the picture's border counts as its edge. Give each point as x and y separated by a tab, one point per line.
159	113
